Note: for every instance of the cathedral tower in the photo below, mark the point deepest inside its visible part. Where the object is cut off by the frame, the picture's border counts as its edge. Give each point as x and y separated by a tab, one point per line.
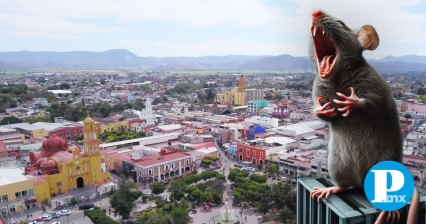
91	133
241	90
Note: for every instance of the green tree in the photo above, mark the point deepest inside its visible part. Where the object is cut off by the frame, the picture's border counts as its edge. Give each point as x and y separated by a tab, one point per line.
210	95
272	169
269	96
123	198
10	120
259	178
180	215
156	101
41	118
157	188
278	96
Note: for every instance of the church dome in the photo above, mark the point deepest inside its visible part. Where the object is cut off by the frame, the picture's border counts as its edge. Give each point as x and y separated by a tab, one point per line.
88	120
41	161
54	144
48	164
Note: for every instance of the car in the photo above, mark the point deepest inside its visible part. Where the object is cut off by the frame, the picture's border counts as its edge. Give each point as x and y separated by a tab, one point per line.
56	222
36	221
55	215
65	212
46	217
86	206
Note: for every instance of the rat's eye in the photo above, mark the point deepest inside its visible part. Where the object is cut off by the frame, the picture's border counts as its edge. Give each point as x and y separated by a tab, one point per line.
343	24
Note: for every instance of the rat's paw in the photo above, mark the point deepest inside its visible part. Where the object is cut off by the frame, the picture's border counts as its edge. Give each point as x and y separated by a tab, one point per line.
322	110
325	192
388	218
350	102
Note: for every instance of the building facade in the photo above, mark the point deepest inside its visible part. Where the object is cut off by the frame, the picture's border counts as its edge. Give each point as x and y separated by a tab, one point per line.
235	96
162	167
59	167
251	153
16	191
69	133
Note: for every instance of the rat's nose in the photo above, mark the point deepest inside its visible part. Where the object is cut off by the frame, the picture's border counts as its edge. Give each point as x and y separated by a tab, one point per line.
316	14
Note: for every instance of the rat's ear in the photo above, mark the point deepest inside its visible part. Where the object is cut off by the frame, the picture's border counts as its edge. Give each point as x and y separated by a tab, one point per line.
368	38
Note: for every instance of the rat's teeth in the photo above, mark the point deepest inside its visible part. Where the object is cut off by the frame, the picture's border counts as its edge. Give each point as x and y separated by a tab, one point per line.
323	32
315	30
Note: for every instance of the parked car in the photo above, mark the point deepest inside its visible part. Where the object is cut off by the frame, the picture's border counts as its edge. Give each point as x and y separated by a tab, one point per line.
55	215
56	222
86	206
65	212
252	169
46	217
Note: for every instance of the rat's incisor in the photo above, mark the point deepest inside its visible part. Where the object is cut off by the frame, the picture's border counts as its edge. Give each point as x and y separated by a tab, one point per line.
356	102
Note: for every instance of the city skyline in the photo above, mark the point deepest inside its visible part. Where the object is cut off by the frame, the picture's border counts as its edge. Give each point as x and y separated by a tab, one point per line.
202	28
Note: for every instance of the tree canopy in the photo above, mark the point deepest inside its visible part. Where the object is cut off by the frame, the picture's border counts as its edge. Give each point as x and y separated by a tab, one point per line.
122	199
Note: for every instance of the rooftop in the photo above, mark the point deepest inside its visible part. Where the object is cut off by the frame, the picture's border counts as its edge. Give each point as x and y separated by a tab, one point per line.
151	160
11	176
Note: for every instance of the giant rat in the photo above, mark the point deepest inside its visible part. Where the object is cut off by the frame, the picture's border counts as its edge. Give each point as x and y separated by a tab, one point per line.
356	102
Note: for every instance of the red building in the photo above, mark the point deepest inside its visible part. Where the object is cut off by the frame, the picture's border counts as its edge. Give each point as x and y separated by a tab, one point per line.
69	133
252	153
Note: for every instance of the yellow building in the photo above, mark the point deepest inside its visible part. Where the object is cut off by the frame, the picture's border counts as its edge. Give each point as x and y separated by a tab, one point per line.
235	96
113	126
64	167
16	191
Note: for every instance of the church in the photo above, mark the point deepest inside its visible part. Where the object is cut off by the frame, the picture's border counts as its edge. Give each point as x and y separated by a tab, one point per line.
235	96
59	167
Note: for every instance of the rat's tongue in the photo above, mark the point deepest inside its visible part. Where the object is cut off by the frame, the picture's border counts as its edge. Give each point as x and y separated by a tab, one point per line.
325	64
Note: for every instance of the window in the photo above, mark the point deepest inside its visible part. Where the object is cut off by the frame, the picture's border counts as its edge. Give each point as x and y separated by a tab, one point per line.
4	198
248	151
18	194
254	152
240	150
150	172
173	165
261	154
30	192
68	133
24	193
187	162
167	167
58	184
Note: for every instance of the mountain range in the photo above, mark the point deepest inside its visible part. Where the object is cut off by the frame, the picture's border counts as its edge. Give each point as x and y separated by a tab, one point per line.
123	59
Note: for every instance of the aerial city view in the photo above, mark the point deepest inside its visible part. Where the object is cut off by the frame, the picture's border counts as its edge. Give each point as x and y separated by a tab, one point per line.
205	112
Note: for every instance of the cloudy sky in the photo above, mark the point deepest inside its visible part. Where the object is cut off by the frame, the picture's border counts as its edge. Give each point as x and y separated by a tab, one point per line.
202	27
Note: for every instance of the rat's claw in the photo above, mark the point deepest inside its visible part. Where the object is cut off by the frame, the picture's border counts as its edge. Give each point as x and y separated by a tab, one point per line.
347	109
350	102
322	111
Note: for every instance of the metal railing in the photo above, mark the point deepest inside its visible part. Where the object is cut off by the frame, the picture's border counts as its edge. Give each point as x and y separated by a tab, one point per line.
349	207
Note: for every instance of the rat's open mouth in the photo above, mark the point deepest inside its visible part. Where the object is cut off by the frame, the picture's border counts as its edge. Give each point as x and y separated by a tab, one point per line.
325	50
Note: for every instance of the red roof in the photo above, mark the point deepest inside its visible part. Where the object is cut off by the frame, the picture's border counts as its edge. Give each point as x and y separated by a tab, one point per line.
154	159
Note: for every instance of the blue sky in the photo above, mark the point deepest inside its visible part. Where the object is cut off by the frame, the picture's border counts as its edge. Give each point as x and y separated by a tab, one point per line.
202	27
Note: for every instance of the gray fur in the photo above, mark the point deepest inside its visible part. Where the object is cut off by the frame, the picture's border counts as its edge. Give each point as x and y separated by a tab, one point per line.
369	135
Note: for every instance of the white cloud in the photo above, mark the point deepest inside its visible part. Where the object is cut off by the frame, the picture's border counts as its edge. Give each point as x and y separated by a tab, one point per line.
285	23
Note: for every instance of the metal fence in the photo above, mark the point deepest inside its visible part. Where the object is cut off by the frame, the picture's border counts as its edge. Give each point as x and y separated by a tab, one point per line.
345	208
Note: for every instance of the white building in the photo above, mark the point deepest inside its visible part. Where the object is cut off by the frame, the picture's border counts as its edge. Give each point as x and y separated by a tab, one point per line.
263	121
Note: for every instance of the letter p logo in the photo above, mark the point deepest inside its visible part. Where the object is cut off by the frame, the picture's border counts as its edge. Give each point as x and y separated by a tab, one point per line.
389	185
381	189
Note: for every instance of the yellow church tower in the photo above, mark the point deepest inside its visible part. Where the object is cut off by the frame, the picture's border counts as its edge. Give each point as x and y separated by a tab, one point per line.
91	147
241	96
